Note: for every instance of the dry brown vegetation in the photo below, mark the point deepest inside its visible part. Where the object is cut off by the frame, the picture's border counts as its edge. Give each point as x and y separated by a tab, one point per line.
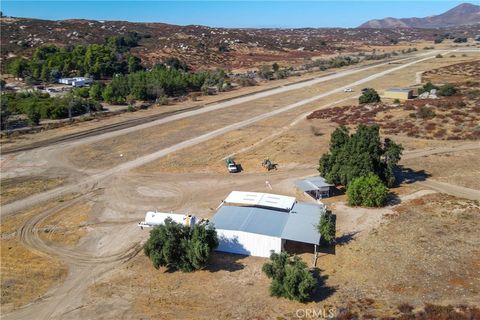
426	251
17	188
459	72
67	226
26	274
447	118
202	46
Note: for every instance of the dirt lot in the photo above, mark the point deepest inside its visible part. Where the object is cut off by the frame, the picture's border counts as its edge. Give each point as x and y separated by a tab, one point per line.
67	226
27	274
97	237
393	264
426	252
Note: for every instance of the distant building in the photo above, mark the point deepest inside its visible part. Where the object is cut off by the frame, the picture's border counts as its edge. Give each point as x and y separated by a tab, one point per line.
76	81
398	93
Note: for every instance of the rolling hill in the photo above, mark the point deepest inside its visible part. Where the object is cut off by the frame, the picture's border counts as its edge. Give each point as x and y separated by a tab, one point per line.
463	14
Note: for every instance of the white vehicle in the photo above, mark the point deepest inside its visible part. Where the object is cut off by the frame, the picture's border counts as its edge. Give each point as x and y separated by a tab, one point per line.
231	166
347	90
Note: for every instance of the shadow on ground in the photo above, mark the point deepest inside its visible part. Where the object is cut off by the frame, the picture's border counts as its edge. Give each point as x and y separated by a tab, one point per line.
407	175
322	291
220	261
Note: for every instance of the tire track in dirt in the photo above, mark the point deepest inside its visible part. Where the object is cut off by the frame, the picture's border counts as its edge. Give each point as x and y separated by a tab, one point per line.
94	179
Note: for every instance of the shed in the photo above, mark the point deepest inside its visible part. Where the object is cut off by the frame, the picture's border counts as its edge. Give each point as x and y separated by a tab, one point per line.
316	187
257	231
398	93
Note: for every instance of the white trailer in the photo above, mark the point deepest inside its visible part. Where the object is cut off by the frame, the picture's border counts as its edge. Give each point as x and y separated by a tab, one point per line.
153	219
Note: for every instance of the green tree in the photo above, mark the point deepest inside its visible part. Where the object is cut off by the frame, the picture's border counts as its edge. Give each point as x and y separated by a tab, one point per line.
95	92
290	276
428	87
4	113
181	247
17	67
33	114
369	96
275	67
368	191
133	64
326	228
359	154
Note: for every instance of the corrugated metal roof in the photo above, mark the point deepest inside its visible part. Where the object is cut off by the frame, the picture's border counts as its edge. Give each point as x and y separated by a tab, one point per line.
251	219
398	90
267	200
312	183
299	224
302	223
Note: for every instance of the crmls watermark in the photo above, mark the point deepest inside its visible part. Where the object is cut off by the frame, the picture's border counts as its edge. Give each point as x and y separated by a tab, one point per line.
316	313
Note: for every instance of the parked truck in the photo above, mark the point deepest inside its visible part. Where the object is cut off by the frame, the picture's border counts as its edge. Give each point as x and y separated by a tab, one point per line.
231	165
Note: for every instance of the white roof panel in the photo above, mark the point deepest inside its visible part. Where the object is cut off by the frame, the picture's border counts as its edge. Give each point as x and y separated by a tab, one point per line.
267	200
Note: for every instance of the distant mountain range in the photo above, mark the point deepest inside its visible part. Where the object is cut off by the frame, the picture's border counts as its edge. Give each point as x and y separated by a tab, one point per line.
463	14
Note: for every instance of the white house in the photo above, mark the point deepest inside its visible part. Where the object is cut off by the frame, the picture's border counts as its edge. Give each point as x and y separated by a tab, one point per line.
76	81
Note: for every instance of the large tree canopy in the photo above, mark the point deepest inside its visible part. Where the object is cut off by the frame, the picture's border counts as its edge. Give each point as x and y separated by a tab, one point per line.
181	247
359	154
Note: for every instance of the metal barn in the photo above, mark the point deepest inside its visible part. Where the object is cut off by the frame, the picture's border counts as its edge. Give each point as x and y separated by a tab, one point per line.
258	223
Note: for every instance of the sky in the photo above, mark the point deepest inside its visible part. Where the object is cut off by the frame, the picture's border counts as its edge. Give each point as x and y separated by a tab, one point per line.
243	14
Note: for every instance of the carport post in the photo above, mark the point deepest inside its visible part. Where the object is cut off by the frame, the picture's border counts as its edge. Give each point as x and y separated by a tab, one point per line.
315	255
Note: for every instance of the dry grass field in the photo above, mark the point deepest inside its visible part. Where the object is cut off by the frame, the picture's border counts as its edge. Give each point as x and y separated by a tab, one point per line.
13	189
26	274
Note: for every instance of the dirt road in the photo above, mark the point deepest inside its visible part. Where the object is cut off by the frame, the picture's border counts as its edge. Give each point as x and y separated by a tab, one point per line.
90	181
143	123
104	250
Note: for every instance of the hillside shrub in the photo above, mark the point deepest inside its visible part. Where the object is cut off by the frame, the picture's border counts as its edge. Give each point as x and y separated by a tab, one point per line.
290	276
369	96
447	90
180	247
367	191
425	113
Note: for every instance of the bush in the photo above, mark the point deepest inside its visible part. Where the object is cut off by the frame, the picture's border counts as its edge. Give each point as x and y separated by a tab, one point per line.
177	246
290	276
326	228
369	96
428	87
367	191
397	101
33	114
447	90
425	113
460	40
439	56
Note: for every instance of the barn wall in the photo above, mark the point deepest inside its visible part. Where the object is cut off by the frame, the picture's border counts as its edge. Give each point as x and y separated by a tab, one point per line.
250	244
